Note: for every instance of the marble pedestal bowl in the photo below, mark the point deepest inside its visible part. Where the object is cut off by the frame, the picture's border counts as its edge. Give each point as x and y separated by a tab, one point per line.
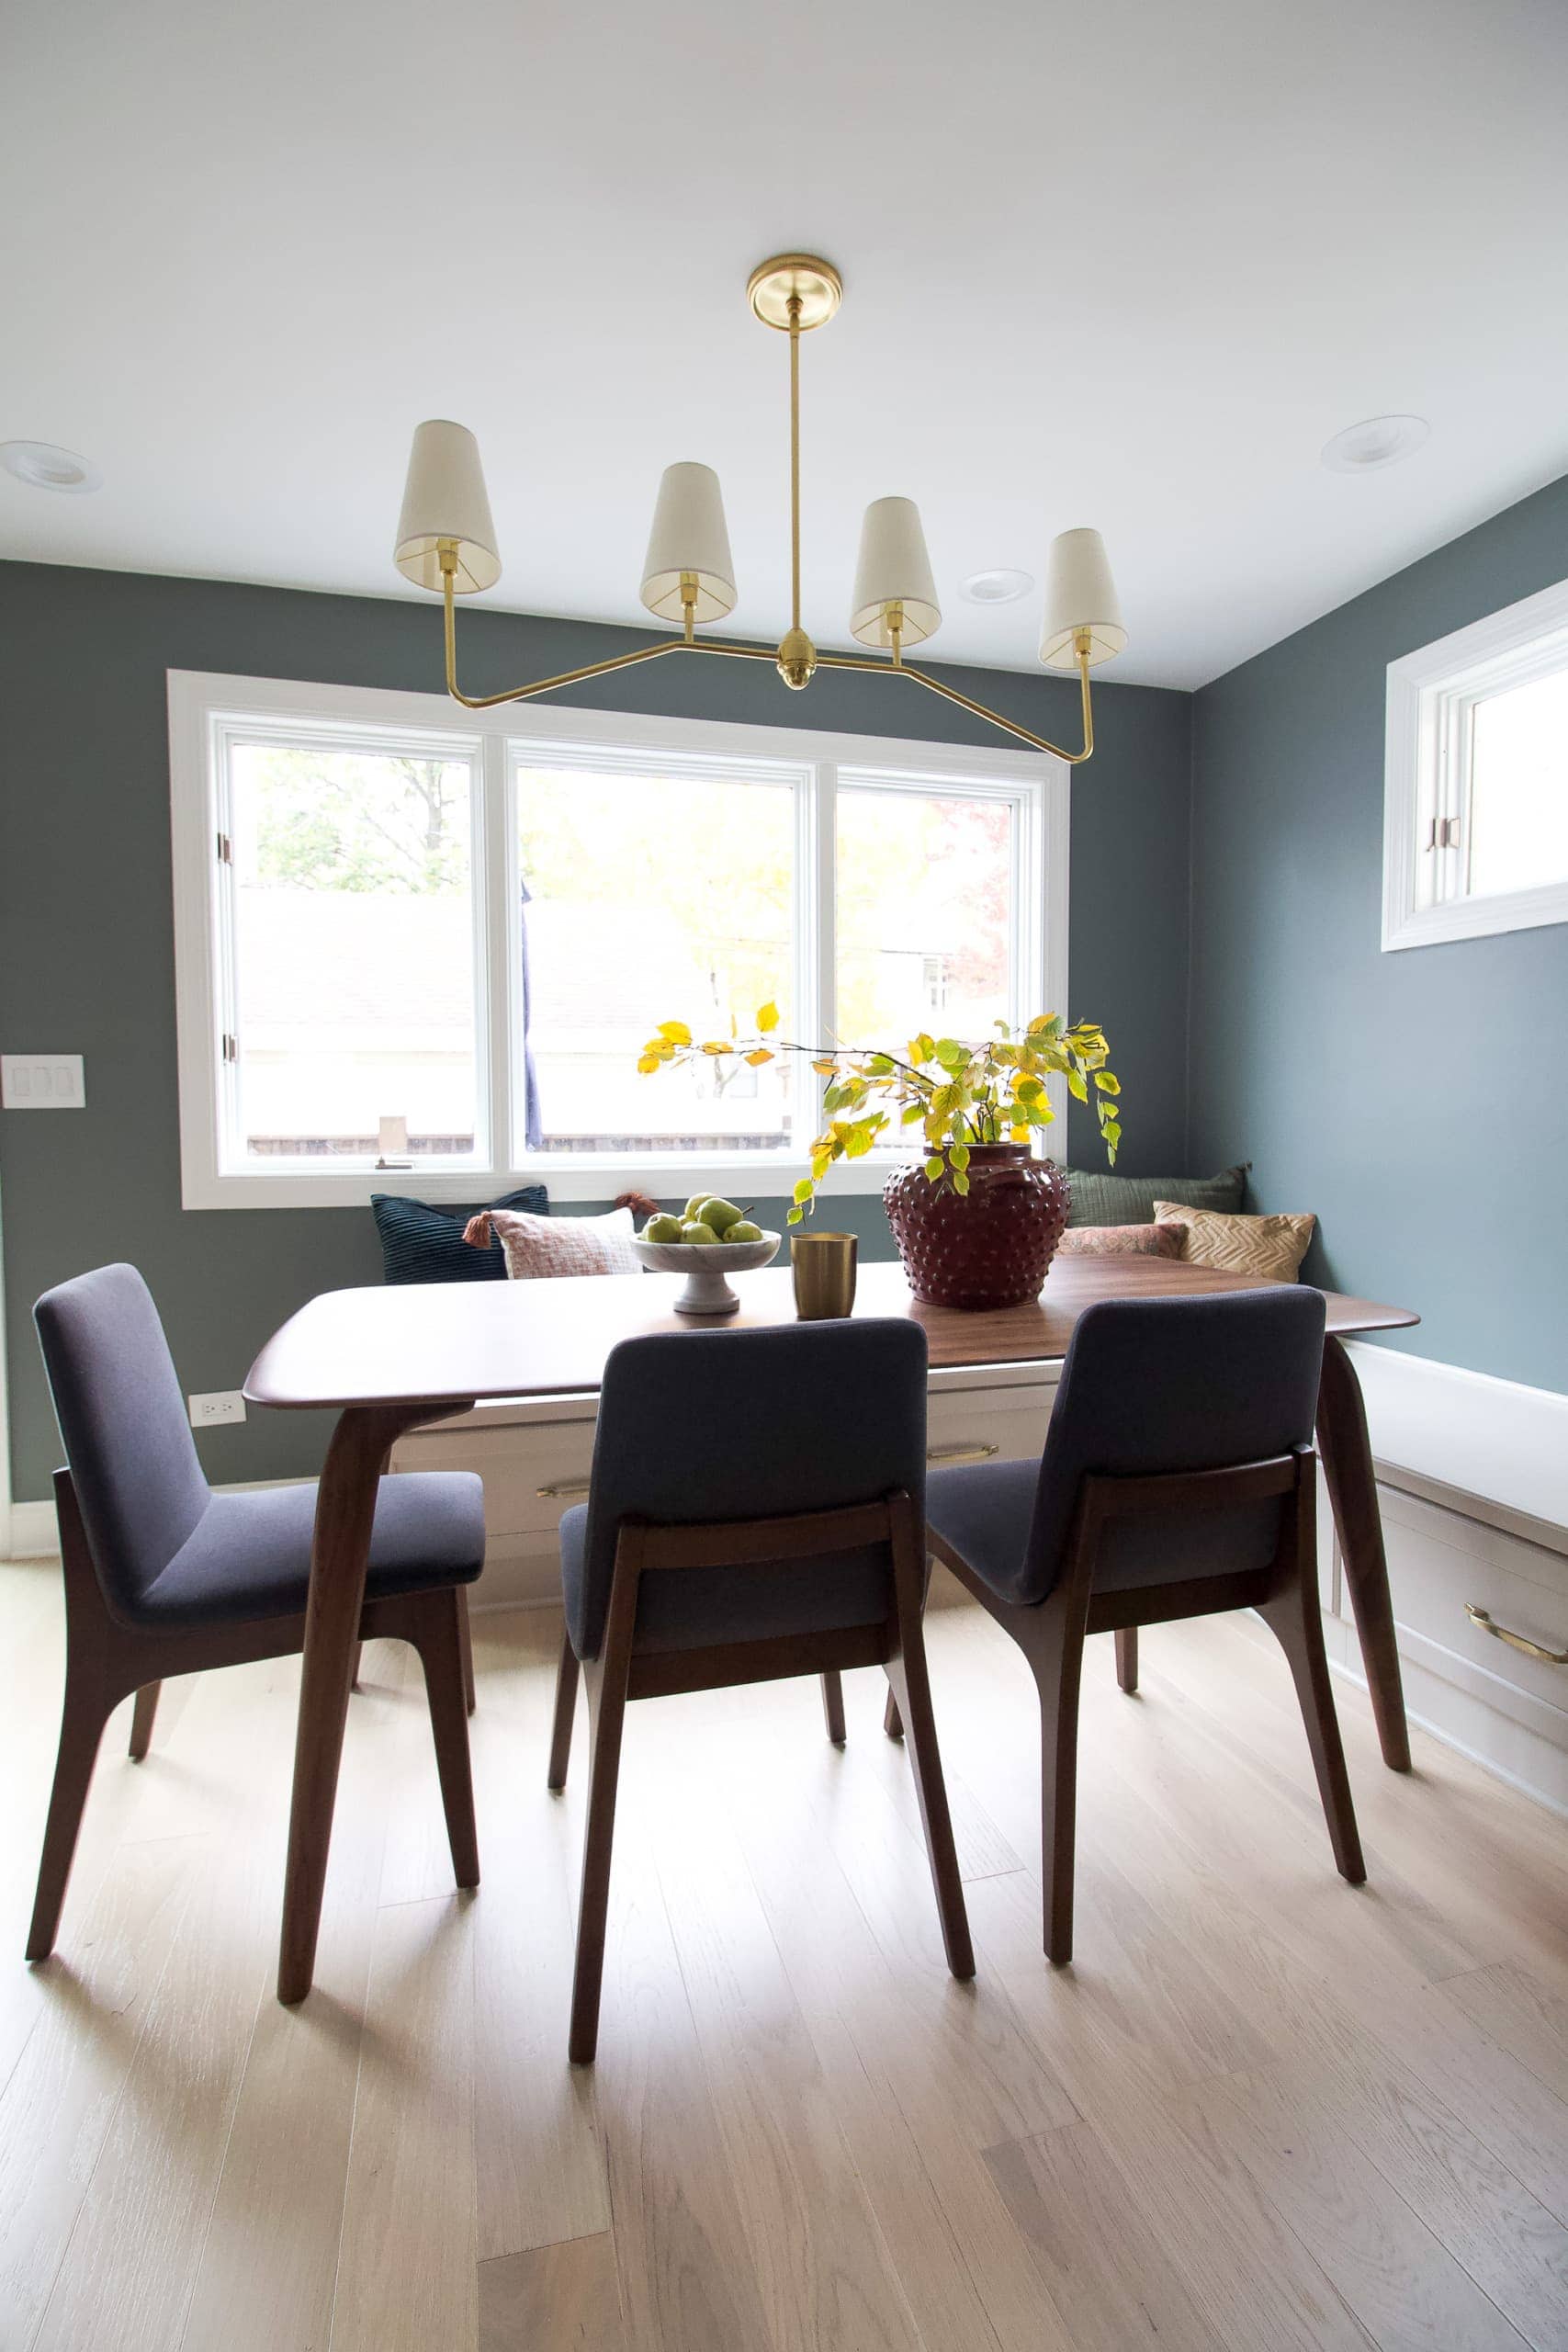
704	1265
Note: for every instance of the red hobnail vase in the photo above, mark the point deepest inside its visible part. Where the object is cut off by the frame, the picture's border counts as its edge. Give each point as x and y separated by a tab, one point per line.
990	1247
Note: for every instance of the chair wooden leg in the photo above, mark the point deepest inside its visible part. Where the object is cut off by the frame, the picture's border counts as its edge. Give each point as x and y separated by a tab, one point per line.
1127	1658
142	1719
1057	1660
567	1676
606	1708
833	1706
434	1635
911	1690
466	1646
89	1701
892	1721
1294	1620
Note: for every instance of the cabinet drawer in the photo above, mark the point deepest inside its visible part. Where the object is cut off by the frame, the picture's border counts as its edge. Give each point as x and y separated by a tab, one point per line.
532	1471
988	1424
1437	1562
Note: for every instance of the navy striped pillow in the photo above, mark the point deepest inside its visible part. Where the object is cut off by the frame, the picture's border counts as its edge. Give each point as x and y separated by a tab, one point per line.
424	1243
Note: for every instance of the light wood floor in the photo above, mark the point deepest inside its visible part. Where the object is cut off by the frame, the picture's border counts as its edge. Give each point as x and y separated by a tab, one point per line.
1263	2109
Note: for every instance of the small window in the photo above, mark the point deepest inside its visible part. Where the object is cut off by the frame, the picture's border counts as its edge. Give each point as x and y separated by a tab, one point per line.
926	915
1476	817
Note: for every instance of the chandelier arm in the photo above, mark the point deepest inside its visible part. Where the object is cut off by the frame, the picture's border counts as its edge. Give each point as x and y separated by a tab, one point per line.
979	710
543	685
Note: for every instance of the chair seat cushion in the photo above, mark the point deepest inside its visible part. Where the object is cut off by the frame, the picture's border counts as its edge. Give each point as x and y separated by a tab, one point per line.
984	1510
682	1608
249	1556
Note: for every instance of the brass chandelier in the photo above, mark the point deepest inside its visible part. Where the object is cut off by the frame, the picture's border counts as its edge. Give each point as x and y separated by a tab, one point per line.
446	543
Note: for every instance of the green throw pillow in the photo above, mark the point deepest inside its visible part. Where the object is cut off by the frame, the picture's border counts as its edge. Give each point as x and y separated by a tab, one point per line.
1101	1199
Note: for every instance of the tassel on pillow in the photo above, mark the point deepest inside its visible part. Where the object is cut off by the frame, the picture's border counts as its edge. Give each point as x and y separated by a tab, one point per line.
477	1232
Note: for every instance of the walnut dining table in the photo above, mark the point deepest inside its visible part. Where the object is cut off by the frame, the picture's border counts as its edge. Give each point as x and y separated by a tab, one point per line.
387	1360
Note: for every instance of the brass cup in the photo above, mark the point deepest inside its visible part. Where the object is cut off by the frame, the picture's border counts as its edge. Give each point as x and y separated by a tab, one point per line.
824	1269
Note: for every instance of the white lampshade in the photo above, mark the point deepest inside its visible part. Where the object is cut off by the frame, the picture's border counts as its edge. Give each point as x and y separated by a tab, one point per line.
444	498
688	537
894	569
1079	593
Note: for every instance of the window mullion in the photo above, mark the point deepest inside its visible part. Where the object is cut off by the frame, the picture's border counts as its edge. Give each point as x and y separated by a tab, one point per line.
497	1014
822	1010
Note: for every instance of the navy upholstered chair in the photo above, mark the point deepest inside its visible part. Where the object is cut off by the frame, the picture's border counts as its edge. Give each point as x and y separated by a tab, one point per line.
1177	1480
162	1577
756	1510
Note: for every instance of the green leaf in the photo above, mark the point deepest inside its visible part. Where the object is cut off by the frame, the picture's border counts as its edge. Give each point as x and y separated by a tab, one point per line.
934	1168
950	1054
795	1216
1106	1083
961	1182
1075	1086
803	1191
959	1156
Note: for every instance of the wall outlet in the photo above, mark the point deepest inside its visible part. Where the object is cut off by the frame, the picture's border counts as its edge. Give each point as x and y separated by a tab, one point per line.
42	1083
220	1405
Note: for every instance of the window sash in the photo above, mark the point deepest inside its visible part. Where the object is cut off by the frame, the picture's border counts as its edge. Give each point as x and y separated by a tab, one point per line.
1428	787
208	714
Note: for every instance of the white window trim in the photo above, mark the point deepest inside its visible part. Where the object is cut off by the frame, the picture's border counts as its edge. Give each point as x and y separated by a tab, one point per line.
1426	690
199	701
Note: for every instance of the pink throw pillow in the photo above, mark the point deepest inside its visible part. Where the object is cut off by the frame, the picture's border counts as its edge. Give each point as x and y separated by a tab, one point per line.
1120	1241
539	1249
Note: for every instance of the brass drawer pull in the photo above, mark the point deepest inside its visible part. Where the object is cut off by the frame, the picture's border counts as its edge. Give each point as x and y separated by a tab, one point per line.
971	1451
1516	1640
561	1488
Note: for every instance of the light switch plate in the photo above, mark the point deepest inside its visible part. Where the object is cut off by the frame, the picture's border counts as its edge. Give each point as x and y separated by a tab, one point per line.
42	1083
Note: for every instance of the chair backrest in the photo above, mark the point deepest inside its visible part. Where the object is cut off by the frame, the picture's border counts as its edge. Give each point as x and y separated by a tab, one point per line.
127	1442
1161	1385
704	1426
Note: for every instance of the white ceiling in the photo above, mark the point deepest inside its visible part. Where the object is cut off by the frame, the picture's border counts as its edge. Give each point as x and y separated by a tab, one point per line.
1128	264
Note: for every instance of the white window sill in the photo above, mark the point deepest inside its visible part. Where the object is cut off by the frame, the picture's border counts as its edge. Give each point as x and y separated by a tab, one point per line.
1478	917
741	1176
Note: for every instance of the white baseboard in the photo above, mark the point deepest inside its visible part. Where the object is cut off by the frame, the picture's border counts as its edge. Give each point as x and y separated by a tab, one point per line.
31	1536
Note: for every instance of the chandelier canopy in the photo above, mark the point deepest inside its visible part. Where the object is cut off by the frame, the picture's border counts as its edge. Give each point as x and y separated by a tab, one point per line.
446	543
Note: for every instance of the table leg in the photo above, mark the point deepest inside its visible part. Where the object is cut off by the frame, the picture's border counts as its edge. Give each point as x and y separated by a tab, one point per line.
1346	1454
340	1554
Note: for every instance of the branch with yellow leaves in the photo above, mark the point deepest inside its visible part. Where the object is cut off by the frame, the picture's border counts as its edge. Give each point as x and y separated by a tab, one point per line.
956	1095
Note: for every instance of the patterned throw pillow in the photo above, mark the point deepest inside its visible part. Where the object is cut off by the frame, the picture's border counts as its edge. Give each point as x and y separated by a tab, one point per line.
1100	1198
1120	1241
1271	1246
539	1248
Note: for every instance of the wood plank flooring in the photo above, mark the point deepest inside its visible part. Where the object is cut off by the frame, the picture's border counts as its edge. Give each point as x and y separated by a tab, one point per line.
1262	2112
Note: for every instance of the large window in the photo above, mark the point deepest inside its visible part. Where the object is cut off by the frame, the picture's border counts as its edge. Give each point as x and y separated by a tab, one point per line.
421	954
1476	818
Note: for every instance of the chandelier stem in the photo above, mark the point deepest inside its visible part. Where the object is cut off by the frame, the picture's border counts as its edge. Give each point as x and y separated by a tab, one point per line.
794	461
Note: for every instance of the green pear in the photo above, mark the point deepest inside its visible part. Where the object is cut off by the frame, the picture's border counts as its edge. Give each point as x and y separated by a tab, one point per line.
662	1228
718	1213
694	1231
744	1230
694	1207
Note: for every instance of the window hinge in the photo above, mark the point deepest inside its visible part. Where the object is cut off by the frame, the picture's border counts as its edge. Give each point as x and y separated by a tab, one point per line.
1431	840
230	1046
1447	833
225	850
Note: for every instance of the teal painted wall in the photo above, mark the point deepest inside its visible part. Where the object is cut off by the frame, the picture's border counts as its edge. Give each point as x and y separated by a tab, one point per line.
1417	1102
86	950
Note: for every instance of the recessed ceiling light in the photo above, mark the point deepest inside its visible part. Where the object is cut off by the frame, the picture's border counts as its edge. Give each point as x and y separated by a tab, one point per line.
998	587
44	466
1376	441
